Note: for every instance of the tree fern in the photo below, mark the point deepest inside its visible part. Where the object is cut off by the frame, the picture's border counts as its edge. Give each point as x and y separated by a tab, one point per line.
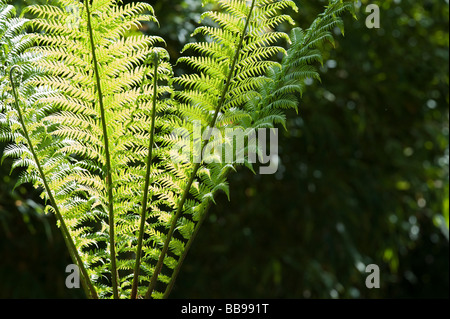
24	124
100	110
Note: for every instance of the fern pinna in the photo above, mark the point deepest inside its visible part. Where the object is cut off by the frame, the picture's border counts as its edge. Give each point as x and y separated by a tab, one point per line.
93	115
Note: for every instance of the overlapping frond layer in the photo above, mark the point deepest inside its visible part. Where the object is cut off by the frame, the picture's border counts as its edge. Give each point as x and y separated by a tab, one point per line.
125	81
106	122
241	46
34	146
204	89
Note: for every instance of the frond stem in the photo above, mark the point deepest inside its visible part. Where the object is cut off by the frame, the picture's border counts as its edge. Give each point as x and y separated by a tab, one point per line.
147	181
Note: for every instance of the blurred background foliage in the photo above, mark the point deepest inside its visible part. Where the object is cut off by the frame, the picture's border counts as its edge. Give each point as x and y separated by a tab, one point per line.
363	178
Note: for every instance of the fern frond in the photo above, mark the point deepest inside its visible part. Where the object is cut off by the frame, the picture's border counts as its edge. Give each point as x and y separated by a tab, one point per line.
232	68
100	123
35	147
91	66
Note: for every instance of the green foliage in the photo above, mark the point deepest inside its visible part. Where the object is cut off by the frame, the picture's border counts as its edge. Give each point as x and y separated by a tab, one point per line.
92	117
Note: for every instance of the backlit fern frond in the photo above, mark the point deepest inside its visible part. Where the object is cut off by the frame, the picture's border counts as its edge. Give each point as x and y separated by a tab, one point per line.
102	94
34	147
130	165
232	65
259	90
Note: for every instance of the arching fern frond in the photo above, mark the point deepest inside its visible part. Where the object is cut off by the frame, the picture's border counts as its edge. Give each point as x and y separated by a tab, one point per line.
261	88
92	66
300	63
22	121
226	76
